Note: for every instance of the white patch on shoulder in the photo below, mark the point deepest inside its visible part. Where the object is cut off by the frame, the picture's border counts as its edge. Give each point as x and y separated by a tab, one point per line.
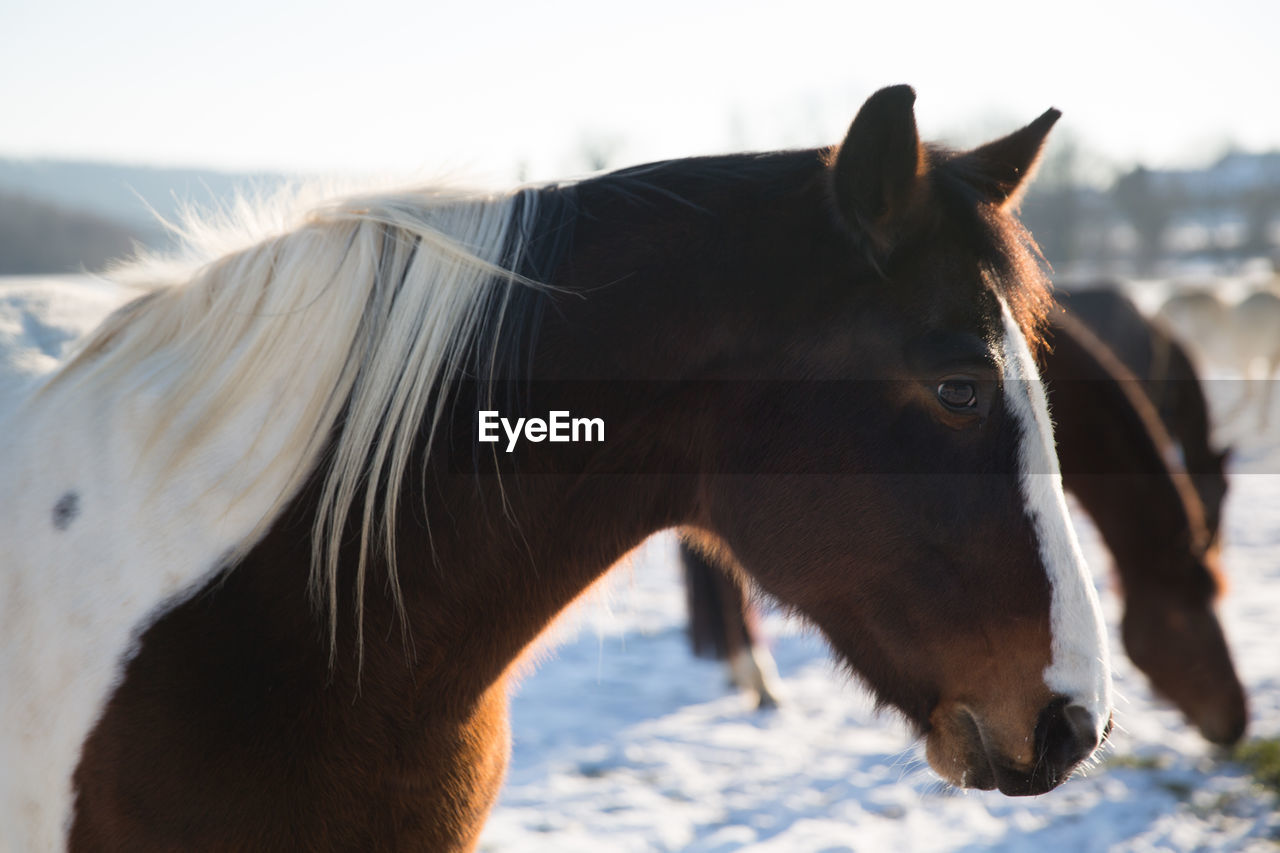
192	416
1080	668
97	544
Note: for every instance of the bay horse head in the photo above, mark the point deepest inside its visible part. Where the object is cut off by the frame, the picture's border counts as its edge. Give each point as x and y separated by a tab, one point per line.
910	502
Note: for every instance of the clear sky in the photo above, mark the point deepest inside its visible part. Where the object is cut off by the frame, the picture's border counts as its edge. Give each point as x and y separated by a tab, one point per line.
494	88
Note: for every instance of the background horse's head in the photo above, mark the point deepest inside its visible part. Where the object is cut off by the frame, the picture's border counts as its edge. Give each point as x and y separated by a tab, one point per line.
1172	633
1171	628
901	488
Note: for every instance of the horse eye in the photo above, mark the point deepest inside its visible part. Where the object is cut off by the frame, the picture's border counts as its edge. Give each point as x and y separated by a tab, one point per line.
958	394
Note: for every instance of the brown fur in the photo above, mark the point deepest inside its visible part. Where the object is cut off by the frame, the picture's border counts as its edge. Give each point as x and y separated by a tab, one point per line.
1167	376
1000	726
1114	452
720	615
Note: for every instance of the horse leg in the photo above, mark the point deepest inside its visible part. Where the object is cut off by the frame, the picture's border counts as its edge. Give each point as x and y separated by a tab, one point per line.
704	597
720	627
751	666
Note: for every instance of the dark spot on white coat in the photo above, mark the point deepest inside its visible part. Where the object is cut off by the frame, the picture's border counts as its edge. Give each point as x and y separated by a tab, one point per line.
66	510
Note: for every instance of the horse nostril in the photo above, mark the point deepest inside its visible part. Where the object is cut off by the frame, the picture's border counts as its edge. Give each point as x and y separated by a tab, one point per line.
1224	728
1065	735
1084	727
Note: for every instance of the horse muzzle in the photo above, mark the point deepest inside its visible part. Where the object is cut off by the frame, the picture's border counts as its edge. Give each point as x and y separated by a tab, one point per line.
966	753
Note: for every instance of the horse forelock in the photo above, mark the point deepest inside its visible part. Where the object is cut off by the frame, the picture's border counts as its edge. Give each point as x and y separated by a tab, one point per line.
1005	250
371	305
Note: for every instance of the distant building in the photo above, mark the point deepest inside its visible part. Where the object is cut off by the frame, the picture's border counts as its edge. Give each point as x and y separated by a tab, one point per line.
1151	221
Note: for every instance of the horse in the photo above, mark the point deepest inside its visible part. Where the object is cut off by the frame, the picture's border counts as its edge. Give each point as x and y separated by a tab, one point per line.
1200	316
1255	330
268	569
1167	375
1113	449
1239	336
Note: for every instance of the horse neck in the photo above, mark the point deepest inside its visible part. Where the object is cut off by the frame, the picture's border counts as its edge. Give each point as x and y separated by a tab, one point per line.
618	337
497	569
1193	429
1113	451
510	539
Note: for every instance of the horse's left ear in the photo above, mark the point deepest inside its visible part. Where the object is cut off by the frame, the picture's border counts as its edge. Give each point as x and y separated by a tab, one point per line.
1002	169
878	167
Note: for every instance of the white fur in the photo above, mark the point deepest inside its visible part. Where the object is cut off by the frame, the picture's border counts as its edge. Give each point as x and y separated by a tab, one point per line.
1080	668
186	423
753	670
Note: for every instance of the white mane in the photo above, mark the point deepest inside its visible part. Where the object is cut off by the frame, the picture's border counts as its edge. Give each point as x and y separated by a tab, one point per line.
368	303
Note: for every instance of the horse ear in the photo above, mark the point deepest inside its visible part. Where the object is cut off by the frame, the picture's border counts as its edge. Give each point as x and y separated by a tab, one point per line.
1002	169
879	164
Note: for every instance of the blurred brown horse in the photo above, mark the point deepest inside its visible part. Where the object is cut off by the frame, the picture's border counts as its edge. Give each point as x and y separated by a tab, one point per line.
1164	369
1115	458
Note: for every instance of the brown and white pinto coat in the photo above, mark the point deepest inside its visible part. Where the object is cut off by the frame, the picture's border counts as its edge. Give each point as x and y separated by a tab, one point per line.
819	357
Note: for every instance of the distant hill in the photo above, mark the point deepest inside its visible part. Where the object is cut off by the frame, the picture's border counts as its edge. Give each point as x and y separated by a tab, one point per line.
67	216
127	194
37	237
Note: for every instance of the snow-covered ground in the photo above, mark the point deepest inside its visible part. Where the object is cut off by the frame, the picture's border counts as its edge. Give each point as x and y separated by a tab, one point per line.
42	318
623	742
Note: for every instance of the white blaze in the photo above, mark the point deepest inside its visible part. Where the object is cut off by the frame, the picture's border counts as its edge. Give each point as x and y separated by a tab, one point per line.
1080	668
